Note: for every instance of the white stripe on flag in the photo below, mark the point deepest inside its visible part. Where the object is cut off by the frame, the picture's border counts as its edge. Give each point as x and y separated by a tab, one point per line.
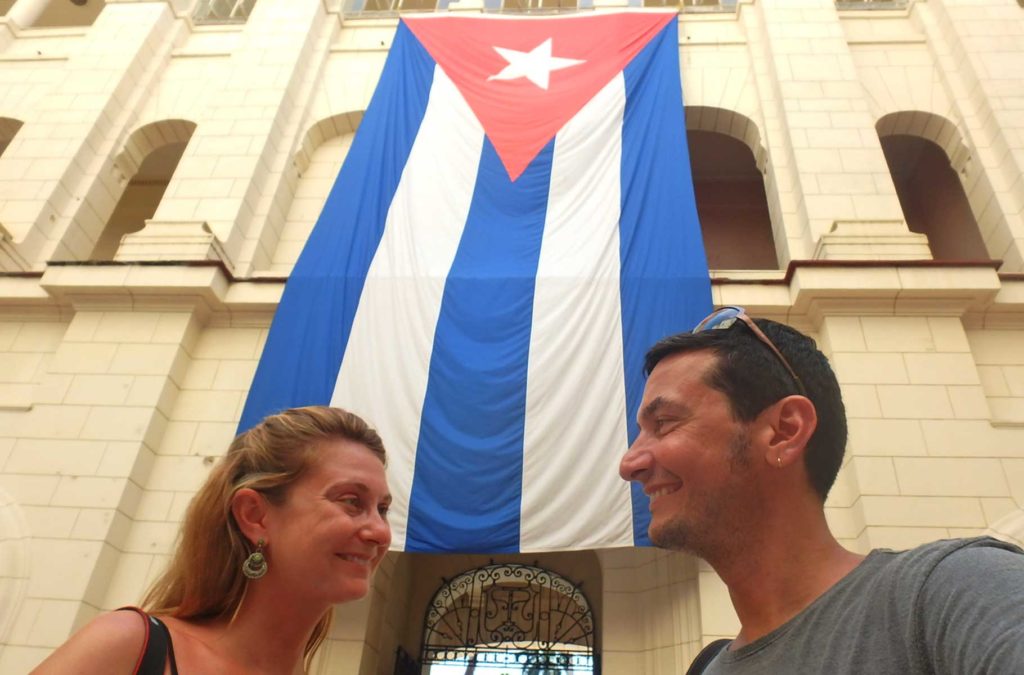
383	375
575	403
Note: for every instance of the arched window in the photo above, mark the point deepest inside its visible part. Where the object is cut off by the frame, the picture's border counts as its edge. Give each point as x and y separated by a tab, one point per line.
918	148
509	618
729	188
314	170
148	161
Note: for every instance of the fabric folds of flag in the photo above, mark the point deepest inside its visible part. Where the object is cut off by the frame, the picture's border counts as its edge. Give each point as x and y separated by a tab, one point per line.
513	227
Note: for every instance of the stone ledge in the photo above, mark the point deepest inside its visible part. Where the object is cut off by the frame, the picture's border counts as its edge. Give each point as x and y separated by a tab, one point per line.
924	289
118	286
871	240
808	289
171	241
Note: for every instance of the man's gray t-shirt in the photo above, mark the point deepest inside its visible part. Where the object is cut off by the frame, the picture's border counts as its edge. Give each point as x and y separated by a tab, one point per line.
953	606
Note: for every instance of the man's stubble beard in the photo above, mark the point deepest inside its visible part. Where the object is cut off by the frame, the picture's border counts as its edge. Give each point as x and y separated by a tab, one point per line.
705	535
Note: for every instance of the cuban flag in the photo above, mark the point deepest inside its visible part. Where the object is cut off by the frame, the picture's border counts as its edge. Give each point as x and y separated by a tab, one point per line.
513	227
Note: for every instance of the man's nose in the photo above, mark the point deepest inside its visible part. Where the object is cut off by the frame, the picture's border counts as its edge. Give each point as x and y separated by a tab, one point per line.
636	462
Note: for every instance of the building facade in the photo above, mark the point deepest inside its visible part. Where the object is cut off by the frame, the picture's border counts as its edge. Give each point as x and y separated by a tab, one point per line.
859	172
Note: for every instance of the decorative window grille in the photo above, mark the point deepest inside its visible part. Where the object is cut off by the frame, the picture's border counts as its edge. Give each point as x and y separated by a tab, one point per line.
510	618
223	11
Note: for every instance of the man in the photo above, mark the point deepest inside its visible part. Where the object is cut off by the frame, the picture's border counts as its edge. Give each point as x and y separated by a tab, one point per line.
742	433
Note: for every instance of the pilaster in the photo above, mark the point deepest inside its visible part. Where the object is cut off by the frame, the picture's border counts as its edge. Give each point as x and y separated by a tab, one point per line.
88	442
835	155
651	609
73	133
263	96
979	47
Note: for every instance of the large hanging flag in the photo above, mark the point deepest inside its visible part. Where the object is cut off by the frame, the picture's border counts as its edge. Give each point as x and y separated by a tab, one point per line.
513	227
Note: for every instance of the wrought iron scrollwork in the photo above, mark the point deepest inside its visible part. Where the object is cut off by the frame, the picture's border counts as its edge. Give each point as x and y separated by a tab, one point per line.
511	614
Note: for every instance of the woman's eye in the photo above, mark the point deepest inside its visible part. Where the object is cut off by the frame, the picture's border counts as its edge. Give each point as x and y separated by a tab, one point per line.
383	510
350	501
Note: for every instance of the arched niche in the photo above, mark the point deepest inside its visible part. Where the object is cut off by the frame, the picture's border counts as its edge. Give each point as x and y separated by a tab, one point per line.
314	169
928	162
727	161
144	167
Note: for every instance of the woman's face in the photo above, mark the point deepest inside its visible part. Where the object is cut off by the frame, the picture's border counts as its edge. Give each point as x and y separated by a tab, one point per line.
331	532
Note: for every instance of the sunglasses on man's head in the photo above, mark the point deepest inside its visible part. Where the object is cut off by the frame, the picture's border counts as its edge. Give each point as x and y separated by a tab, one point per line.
726	317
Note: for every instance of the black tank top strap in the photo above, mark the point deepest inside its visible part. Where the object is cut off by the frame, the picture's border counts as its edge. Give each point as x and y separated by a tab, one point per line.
157	649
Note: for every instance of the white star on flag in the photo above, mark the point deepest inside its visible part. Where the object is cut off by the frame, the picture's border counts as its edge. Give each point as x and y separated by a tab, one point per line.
535	65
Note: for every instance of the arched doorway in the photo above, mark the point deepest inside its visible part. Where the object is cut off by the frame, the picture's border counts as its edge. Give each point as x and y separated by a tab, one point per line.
509	619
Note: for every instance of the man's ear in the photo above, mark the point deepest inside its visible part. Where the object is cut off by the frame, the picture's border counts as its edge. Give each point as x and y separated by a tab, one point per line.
788	426
249	508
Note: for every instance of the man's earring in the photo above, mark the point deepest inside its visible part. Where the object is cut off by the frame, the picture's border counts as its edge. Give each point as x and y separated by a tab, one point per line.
255	566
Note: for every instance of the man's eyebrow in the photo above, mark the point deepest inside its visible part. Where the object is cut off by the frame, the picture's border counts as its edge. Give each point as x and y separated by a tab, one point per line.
660	403
651	408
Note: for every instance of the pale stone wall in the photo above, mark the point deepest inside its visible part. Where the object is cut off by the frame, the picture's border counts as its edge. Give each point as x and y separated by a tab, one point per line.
121	383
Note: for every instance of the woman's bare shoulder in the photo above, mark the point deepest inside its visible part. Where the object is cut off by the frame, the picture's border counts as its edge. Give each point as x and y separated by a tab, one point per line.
110	643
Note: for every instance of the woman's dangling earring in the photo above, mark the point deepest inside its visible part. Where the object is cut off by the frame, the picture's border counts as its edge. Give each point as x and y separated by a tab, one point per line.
255	566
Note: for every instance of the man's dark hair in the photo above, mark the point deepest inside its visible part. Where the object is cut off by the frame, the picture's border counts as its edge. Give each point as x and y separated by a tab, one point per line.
753	378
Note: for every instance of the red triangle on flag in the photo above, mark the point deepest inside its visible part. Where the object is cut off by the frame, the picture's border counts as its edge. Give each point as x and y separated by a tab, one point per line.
524	78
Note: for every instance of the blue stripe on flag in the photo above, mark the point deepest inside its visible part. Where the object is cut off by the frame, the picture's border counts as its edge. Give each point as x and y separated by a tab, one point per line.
665	287
311	328
467	485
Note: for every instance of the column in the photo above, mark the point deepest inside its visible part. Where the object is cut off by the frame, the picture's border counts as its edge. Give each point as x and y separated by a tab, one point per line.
25	13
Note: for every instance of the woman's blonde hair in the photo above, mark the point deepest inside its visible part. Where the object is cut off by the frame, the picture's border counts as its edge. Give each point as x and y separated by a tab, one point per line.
204	579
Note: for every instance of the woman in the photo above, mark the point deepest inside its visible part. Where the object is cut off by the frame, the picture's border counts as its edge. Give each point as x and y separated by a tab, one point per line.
290	522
